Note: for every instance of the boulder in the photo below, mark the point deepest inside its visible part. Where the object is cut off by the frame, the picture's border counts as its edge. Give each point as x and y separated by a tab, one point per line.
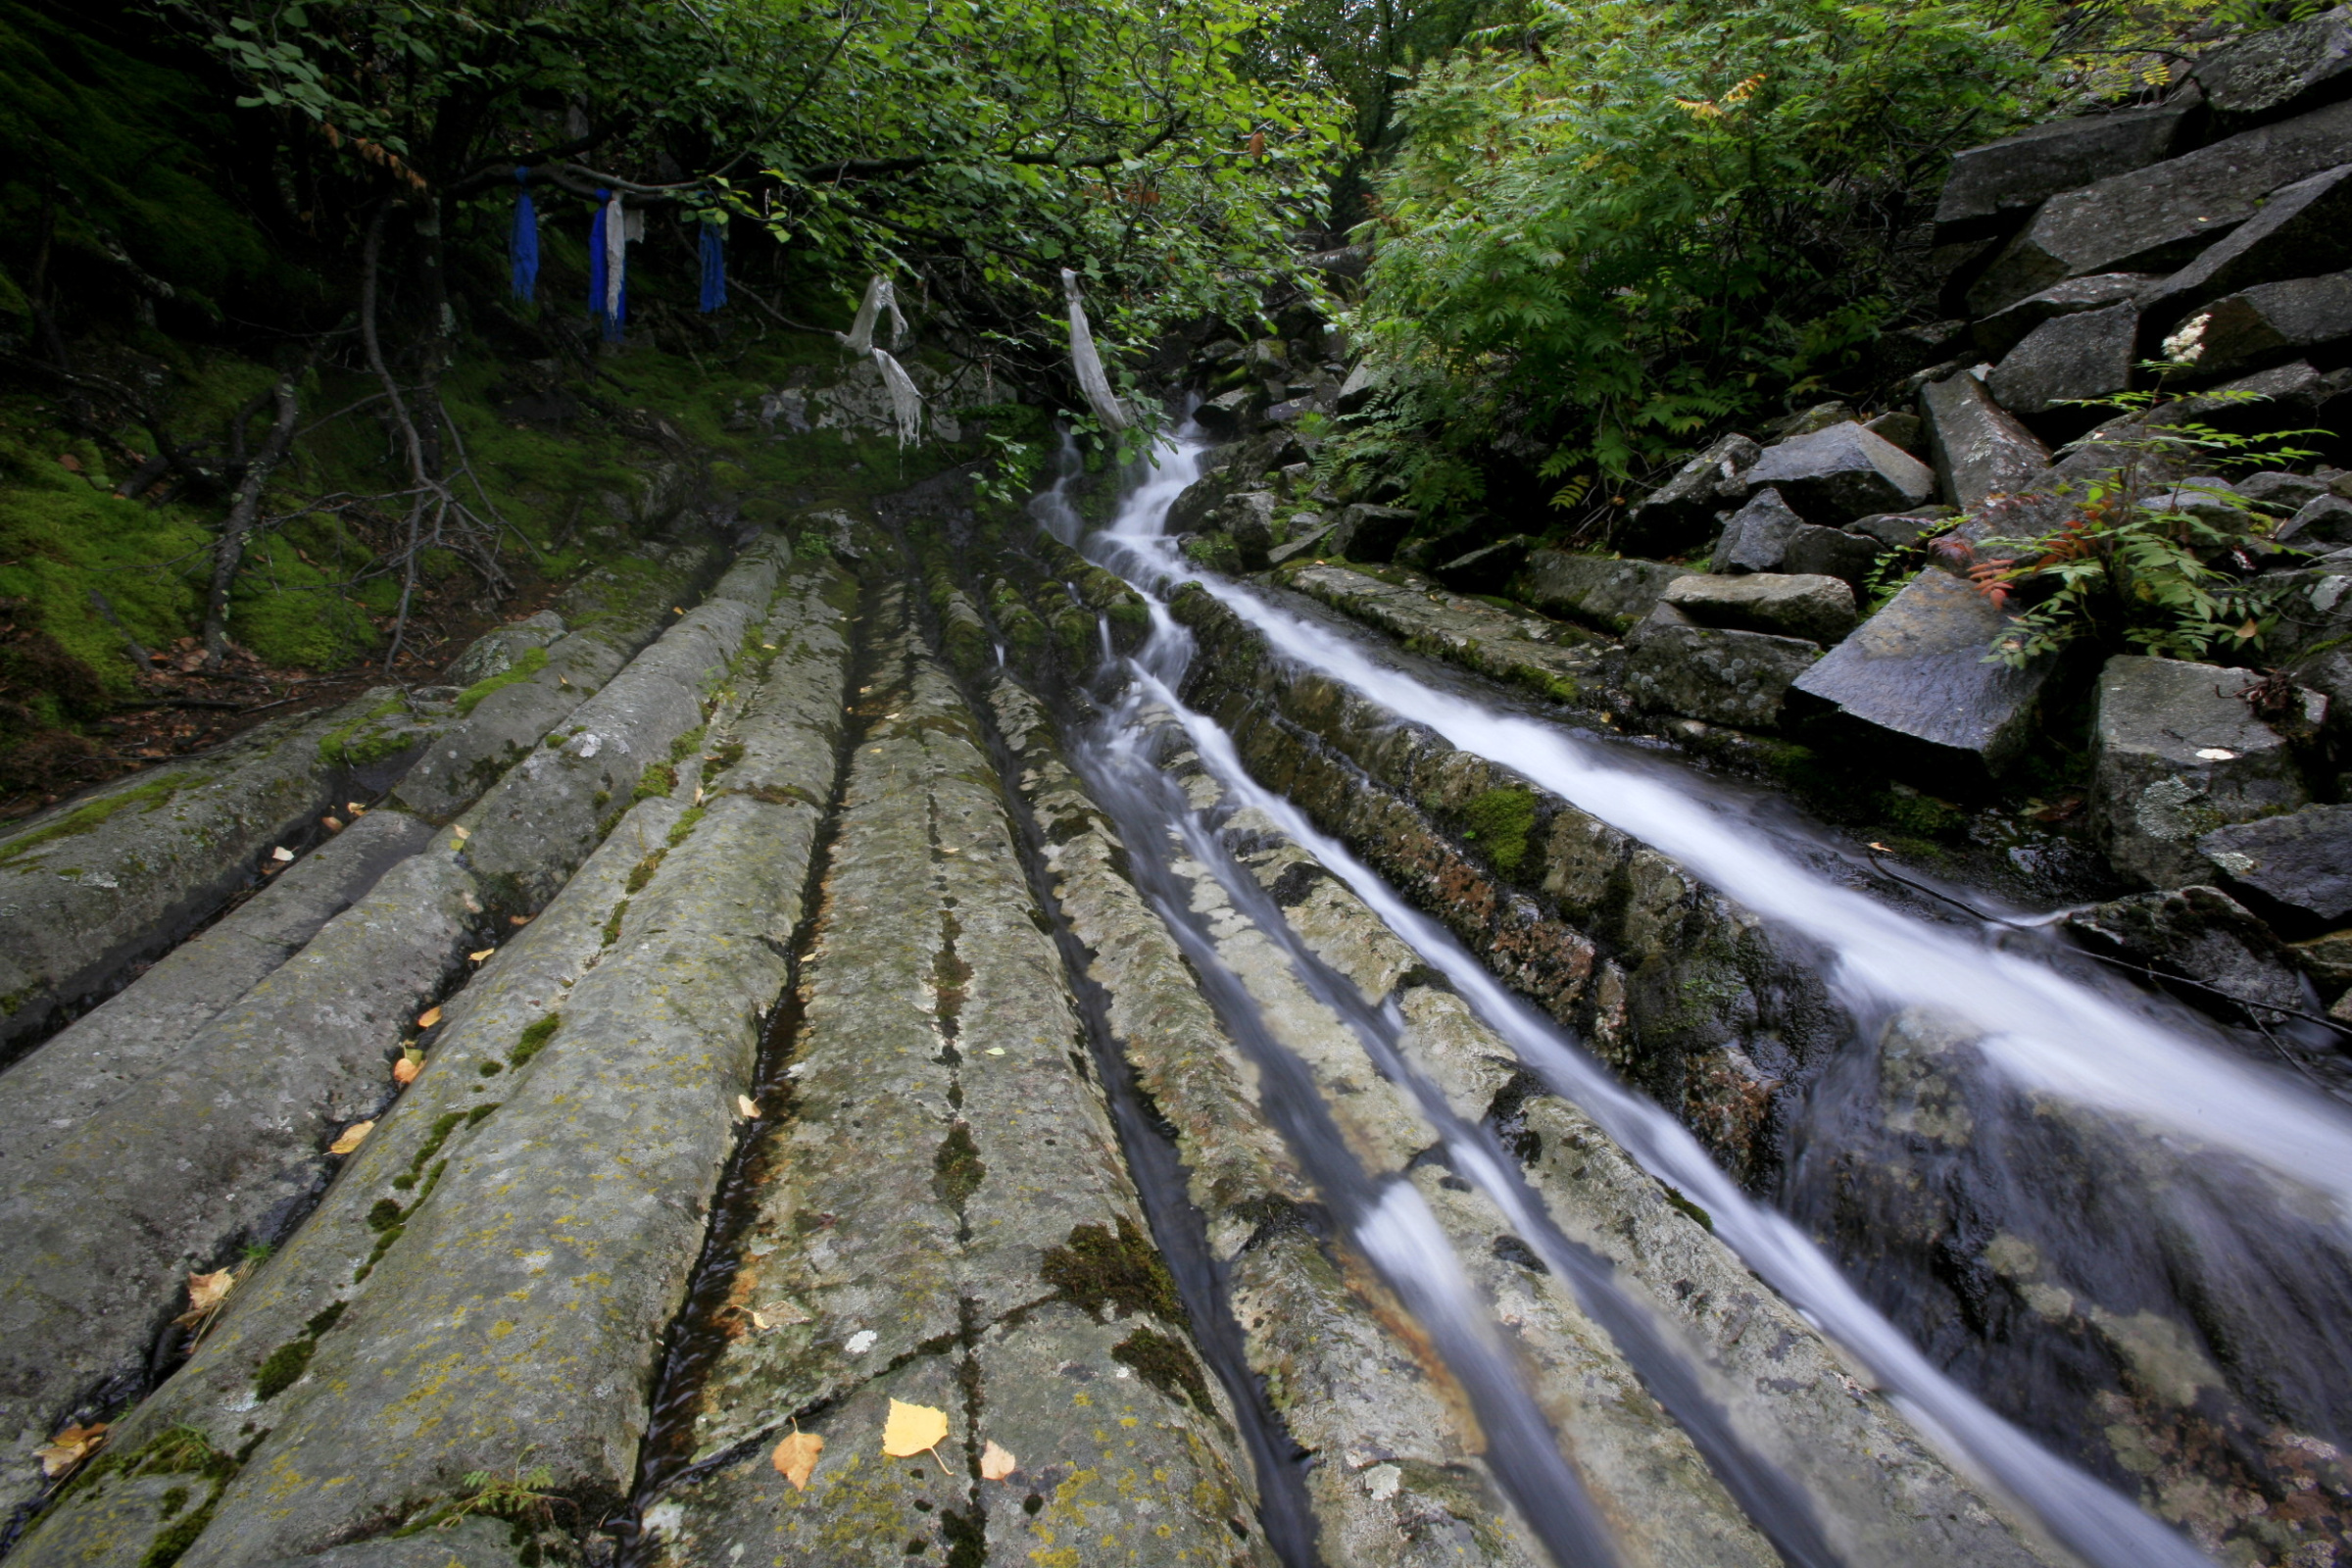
1672	664
2301	861
1355	392
1485	571
1901	427
1842	472
2088	355
2282	492
2320	523
1612	595
1682	511
2201	933
1247	519
1899	530
1819	416
2204	497
2302	229
2176	753
1310	539
1915	675
1367	532
2291	397
1225	413
1818	609
2280	71
2158	218
1766	536
1981	448
2005	328
2264	324
2017	172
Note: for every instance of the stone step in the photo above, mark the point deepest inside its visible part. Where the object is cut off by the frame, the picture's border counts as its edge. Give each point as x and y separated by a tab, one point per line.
944	1219
487	1285
222	1146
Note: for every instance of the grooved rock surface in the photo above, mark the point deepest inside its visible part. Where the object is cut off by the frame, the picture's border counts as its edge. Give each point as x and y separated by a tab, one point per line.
1671	663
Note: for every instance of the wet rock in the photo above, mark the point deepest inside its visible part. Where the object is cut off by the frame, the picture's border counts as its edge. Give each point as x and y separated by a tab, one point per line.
496	652
2301	861
2268	324
1682	511
2085	355
1598	590
1766	535
2282	71
1842	472
2020	171
1981	449
1899	530
1819	417
2282	492
2203	935
1544	656
1672	665
2205	497
1313	539
2177	753
1916	676
1247	519
1357	390
2158	218
2306	228
1996	335
1486	569
1904	429
2321	521
1371	534
1816	608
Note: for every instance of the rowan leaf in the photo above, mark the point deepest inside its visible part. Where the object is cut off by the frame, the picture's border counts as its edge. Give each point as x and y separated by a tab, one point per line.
796	1457
913	1429
70	1448
997	1463
353	1136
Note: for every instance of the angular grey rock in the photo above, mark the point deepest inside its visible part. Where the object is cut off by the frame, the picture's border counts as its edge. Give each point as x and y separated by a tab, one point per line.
1981	447
1248	517
1313	540
496	651
2204	497
2270	322
1898	530
2302	229
1765	535
1902	428
2176	754
2302	859
1486	569
1818	609
1367	532
1916	672
1842	472
1682	511
2280	71
2158	218
1195	509
1595	590
2088	355
2279	491
1819	417
2201	933
2004	329
1672	664
2021	170
1359	389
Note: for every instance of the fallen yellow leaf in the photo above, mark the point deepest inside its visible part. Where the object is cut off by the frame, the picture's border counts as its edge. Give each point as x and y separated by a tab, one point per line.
760	1323
518	919
462	833
479	957
428	1017
333	824
747	1107
70	1448
914	1429
997	1463
796	1457
405	1070
354	807
206	1293
353	1137
281	855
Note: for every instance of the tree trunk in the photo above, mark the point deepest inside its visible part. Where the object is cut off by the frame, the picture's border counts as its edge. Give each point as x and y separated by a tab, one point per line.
230	554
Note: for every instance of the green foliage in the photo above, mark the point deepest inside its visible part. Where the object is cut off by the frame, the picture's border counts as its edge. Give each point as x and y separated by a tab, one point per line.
2124	571
1629	220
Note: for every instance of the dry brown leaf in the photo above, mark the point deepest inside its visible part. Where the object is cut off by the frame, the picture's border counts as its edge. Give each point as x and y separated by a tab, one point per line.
796	1457
760	1323
405	1071
428	1017
333	824
518	919
281	855
70	1448
479	957
354	807
747	1107
997	1463
206	1293
914	1429
353	1137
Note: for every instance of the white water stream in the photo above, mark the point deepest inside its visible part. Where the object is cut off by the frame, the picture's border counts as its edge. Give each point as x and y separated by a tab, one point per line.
2041	1029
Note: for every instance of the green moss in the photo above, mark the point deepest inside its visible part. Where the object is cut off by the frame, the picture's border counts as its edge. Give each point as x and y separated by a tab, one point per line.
644	871
283	1368
660	779
172	1501
1167	1365
94	815
383	1215
686	823
1705	1220
612	922
1499	820
534	1040
523	669
956	1168
1095	1268
688	744
174	1543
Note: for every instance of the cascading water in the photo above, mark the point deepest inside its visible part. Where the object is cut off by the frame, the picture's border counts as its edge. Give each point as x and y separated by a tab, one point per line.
2184	1104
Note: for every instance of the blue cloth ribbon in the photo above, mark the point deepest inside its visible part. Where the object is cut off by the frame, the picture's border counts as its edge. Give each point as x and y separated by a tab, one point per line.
715	267
523	251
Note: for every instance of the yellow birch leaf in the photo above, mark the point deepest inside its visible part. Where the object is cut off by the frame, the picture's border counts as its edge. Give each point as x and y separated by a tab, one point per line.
428	1017
353	1136
796	1457
997	1463
479	957
70	1448
281	855
333	824
747	1107
405	1071
206	1293
462	833
912	1429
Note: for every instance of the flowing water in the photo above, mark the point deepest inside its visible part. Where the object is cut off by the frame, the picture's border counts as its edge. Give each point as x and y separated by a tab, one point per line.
2127	1141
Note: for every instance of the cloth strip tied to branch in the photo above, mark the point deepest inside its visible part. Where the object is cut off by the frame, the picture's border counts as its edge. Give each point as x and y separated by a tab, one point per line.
906	400
523	251
879	297
1088	365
